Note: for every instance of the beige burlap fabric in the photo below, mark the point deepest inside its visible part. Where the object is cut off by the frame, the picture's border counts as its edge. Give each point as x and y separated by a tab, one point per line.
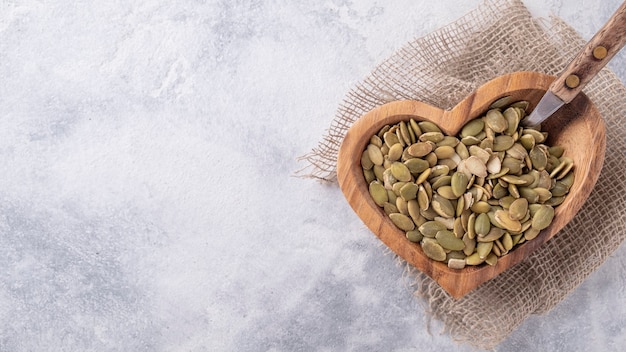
441	69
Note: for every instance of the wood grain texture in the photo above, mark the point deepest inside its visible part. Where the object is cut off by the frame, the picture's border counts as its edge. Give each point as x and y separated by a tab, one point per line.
578	127
611	36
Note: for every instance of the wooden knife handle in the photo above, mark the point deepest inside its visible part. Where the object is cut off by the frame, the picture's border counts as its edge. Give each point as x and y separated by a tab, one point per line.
593	57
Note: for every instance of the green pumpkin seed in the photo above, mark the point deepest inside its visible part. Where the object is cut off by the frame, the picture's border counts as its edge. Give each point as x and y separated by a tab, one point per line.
512	118
472	128
402	221
482	224
539	158
378	193
414	236
366	162
543	194
375	155
543	217
416	166
503	143
529	194
504	221
480	207
459	182
483	249
427	126
507	241
445	152
430	228
493	234
434	137
390	208
432	159
442	206
433	250
415	127
474	259
400	171
496	121
446	192
492	259
531	233
568	180
501	102
375	140
518	209
449	141
560	189
440	181
402	206
556	151
538	136
419	149
448	240
527	141
409	191
395	152
391	139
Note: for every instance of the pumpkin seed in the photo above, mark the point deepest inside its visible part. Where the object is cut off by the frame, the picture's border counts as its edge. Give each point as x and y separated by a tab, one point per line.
431	136
459	182
433	250
492	259
518	209
416	166
496	121
400	171
474	259
427	126
419	149
409	191
454	263
502	143
543	217
445	152
472	128
560	189
446	192
414	236
395	152
448	240
375	155
378	193
493	234
402	221
501	102
475	166
442	206
482	224
504	221
531	233
481	207
483	249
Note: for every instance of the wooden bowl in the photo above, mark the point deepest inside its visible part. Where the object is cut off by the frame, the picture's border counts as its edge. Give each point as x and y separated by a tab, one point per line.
577	126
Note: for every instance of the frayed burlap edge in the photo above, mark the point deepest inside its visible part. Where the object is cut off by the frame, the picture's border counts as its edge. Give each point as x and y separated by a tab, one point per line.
440	69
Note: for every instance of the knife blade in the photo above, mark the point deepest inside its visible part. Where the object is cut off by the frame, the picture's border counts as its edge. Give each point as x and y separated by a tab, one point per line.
586	64
547	106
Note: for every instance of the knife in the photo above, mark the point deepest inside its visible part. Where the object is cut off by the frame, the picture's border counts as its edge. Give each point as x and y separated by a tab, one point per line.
590	60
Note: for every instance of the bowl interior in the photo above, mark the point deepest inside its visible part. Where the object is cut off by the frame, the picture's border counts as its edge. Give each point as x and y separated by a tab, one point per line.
578	127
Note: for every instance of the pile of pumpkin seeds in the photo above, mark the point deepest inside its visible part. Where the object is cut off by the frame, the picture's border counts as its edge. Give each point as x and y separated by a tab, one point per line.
468	199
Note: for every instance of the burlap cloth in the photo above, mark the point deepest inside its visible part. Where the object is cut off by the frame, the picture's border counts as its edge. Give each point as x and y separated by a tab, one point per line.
443	67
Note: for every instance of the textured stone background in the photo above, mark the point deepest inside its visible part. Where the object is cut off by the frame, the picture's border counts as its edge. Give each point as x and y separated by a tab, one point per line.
146	196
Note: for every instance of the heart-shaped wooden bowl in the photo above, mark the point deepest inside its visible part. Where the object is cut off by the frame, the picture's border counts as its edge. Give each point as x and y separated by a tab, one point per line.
577	126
